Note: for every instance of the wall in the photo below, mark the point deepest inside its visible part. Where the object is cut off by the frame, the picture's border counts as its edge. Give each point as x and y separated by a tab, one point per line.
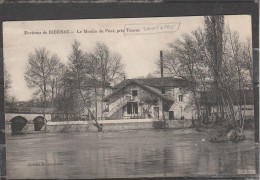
181	108
142	96
118	114
23	108
112	125
186	123
107	125
70	126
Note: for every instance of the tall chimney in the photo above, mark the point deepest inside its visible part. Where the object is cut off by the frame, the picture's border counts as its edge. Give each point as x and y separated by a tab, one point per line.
161	62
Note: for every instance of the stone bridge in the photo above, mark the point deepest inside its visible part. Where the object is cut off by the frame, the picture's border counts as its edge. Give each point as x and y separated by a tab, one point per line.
27	122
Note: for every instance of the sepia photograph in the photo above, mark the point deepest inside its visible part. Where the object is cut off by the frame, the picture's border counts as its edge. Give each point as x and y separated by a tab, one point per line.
129	98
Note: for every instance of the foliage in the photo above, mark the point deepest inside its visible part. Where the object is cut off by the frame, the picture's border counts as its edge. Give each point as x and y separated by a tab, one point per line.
104	67
75	77
7	83
217	64
42	68
86	73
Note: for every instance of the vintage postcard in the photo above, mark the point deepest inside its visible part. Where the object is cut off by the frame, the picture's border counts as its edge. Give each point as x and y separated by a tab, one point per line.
129	98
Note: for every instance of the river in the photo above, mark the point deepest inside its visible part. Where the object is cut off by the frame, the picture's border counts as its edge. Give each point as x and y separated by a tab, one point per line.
132	153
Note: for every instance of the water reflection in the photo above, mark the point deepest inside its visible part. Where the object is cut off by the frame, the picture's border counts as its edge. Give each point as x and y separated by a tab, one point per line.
126	154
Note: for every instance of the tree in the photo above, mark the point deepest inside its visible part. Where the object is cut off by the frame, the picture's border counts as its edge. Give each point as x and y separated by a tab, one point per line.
247	61
42	67
55	84
105	67
214	30
7	83
77	75
183	61
218	63
240	70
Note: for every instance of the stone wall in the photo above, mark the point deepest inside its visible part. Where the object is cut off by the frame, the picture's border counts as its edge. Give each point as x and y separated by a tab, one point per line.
112	125
66	126
176	124
127	126
107	125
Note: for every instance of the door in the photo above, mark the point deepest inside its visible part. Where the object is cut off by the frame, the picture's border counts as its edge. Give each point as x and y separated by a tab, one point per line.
171	115
156	112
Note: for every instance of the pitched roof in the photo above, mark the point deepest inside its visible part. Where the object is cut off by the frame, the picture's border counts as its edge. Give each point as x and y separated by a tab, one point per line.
156	82
149	88
159	93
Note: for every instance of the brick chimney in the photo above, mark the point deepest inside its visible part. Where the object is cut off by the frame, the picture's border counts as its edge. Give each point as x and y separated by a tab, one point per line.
161	62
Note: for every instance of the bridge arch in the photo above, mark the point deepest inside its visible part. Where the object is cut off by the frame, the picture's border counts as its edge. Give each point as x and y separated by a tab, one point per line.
38	123
18	123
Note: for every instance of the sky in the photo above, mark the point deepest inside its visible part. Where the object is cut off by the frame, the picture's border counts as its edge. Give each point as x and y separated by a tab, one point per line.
139	46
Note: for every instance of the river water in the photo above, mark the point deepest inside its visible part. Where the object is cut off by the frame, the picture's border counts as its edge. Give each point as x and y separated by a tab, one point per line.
132	153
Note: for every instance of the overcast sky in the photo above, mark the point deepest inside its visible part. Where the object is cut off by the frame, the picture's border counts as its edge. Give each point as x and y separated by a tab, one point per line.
139	51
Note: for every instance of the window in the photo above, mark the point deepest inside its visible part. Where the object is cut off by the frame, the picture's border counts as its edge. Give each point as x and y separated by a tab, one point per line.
106	107
163	91
135	108
171	115
180	98
129	108
134	92
132	108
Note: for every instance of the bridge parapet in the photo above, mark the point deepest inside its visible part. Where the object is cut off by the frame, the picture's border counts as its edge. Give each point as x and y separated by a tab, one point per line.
29	117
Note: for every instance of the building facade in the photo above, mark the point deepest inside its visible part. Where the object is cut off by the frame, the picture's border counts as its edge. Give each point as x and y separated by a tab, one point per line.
155	98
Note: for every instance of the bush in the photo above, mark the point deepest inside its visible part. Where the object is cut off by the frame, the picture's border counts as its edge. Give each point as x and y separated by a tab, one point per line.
228	134
236	135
